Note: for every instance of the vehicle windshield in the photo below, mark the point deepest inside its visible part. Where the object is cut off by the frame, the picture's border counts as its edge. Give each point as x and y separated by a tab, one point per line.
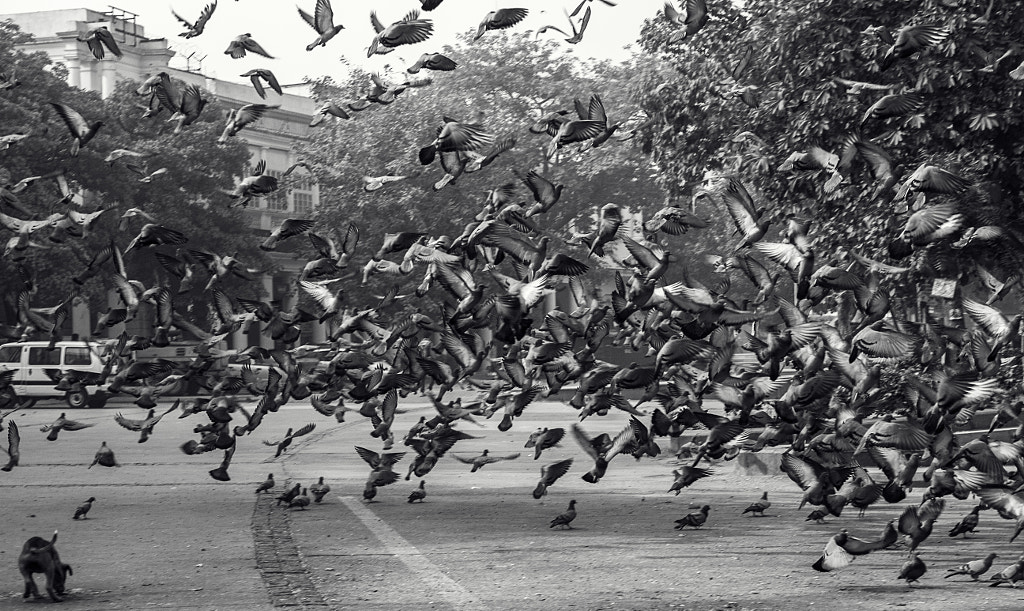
10	354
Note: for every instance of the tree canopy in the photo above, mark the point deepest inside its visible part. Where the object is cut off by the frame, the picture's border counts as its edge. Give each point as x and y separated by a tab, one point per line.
772	79
187	197
505	82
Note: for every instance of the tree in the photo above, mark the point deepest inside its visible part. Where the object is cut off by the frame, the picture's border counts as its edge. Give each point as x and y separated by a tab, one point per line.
506	82
804	60
187	197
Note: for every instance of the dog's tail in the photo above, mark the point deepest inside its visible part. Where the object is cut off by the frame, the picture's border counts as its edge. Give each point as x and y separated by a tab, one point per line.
46	547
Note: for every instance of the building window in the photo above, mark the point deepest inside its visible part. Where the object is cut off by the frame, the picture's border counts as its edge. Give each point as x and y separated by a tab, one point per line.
277	200
303	202
302	194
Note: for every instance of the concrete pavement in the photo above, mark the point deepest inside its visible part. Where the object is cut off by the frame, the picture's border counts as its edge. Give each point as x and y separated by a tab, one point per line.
162	534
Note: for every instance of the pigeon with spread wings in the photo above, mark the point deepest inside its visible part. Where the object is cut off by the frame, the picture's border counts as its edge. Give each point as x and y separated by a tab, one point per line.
97	39
283	444
241	117
81	130
408	30
243	43
500	19
549	474
196	28
690	21
63	423
258	75
13	449
322	20
145	426
911	39
288	228
483	459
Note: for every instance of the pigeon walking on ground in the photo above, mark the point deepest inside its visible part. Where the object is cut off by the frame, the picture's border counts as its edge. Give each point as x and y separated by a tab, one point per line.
695	520
913	569
267	484
104	457
288	496
564	518
319	490
83	509
301	501
974	568
758	507
418	494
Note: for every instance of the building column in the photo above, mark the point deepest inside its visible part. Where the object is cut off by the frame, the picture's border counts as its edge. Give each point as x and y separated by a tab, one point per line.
74	71
319	332
268	288
114	301
87	75
80	319
550	302
108	78
239	340
290	298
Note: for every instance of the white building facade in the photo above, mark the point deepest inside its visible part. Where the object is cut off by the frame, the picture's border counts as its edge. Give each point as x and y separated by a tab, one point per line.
272	138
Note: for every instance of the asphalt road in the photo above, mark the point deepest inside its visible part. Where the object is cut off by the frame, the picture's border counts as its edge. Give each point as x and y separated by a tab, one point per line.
163	534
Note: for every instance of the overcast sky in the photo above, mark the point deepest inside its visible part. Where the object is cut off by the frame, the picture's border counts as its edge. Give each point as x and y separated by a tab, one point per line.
276	25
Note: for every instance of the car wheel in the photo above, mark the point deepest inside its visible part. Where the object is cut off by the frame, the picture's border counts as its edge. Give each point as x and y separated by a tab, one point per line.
98	399
27	402
77	399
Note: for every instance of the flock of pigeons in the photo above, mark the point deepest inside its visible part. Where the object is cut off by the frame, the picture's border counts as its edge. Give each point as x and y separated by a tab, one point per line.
685	334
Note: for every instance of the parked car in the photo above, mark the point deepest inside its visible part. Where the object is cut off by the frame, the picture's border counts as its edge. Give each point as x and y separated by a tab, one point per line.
35	366
233	367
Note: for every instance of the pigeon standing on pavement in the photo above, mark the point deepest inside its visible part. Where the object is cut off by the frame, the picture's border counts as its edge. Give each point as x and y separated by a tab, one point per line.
104	457
319	490
267	485
418	494
974	568
758	507
83	509
564	518
289	496
967	524
696	520
301	501
913	569
1012	574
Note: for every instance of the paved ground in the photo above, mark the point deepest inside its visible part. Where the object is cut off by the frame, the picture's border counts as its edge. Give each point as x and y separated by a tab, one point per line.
162	534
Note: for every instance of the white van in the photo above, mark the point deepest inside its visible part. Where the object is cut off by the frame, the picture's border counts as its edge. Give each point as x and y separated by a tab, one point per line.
31	360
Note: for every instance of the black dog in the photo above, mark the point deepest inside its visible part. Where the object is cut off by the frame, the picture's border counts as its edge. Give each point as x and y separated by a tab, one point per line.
40	556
